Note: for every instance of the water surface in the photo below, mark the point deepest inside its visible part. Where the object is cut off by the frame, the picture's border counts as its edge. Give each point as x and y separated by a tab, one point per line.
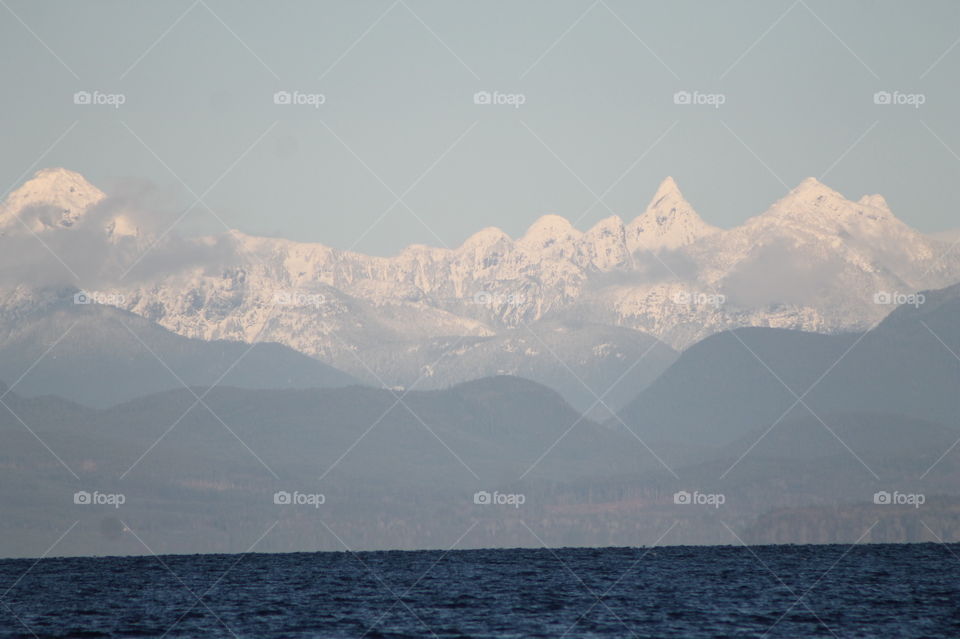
774	591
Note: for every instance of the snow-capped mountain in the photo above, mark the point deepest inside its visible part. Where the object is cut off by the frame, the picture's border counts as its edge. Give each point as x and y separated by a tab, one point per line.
57	199
53	198
669	223
814	261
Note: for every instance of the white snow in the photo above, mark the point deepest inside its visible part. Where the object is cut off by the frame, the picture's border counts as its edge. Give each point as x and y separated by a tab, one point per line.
492	282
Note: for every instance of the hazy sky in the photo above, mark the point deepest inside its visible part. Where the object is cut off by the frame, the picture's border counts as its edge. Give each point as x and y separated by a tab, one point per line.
598	79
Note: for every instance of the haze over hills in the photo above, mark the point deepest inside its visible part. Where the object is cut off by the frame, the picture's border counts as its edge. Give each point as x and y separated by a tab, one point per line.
386	467
721	388
593	366
814	261
485	319
811	376
401	470
730	384
99	355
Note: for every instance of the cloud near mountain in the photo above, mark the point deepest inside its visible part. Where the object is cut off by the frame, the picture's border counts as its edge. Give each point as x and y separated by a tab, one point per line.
597	317
60	230
814	261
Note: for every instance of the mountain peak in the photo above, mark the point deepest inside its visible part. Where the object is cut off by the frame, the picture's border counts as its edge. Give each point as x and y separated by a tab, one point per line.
605	243
611	224
811	188
667	187
485	238
813	205
49	185
813	201
668	223
59	188
550	228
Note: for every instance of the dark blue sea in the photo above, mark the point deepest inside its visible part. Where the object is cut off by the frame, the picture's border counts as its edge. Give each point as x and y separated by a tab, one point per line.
771	591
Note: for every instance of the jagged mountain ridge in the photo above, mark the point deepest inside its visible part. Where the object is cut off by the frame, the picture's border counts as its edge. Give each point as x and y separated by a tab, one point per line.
814	261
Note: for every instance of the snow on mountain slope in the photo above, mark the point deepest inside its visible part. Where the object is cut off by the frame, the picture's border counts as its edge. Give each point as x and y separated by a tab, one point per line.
668	223
52	198
58	199
823	260
867	228
814	261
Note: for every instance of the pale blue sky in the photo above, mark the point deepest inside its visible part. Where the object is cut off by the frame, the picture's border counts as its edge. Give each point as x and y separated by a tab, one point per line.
401	96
